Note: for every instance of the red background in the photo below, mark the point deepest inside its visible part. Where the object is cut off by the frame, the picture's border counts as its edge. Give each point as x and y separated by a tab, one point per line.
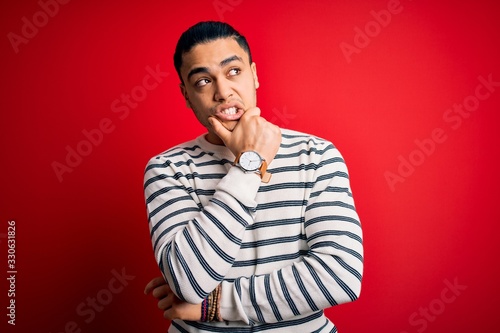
438	226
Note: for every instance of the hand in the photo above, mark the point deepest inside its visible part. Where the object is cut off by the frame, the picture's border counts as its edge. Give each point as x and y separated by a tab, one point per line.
251	133
172	306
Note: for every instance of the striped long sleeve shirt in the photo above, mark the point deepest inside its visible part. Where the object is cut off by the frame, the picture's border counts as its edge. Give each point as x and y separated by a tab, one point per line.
283	251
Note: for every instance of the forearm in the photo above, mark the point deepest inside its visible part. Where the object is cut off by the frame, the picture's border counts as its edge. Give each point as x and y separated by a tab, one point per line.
195	246
317	282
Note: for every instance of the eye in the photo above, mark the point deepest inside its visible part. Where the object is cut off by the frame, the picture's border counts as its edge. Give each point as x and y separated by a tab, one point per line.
234	71
201	83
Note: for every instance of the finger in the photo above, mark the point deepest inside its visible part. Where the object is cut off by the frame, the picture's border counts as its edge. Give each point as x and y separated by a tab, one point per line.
156	282
219	129
162	291
252	112
172	313
168	314
166	303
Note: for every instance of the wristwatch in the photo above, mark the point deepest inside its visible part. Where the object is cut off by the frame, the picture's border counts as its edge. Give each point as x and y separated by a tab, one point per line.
251	161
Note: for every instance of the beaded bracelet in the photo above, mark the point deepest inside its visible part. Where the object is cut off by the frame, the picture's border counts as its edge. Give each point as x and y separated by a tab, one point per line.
219	293
204	310
210	307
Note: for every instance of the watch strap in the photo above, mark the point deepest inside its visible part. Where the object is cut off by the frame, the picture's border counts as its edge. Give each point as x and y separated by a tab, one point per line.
264	175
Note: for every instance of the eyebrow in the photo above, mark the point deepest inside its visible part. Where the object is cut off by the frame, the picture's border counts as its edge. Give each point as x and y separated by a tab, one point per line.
223	63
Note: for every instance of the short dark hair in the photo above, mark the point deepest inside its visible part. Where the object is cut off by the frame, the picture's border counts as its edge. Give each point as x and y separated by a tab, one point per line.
204	32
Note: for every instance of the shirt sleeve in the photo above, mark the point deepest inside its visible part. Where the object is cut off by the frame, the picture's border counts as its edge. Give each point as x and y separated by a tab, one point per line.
195	245
331	272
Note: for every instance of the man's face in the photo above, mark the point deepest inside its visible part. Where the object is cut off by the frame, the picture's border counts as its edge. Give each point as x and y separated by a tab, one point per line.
219	81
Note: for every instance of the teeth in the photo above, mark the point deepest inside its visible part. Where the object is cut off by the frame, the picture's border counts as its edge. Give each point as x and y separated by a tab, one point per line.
229	111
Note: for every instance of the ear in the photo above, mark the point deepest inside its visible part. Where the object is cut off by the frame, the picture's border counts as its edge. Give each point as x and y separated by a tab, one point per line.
185	95
253	66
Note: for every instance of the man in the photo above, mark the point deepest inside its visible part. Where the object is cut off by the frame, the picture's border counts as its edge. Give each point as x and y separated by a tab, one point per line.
253	227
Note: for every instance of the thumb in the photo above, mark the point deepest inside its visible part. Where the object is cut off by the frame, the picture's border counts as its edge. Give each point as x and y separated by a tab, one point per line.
219	129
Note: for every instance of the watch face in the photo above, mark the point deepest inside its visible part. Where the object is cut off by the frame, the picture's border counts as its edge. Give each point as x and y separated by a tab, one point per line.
250	161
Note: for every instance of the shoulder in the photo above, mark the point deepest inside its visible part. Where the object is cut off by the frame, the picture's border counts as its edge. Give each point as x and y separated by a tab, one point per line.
298	141
186	148
184	153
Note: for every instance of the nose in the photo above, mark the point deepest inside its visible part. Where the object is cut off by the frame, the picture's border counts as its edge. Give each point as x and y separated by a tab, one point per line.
223	90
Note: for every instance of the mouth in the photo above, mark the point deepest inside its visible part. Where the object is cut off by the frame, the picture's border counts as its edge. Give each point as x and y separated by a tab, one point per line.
229	112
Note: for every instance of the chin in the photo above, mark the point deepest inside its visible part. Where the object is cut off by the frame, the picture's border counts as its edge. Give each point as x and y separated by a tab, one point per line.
230	125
